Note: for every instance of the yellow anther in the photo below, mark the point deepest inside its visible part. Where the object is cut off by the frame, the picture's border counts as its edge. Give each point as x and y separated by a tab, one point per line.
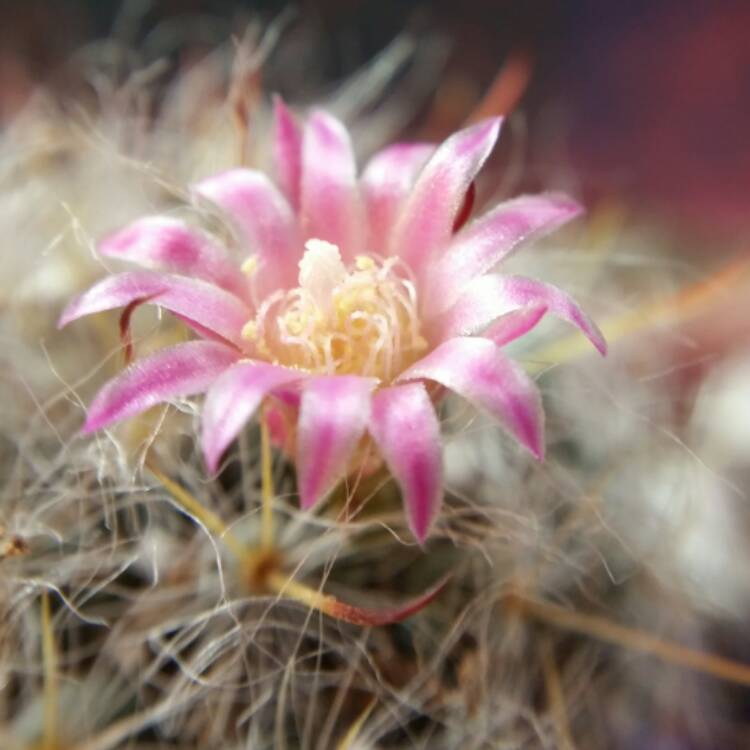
364	263
420	343
250	266
250	331
293	325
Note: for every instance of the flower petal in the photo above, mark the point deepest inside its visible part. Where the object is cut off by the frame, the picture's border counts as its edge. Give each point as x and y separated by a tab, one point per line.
331	207
487	298
233	399
168	244
334	412
513	325
287	152
426	222
265	221
386	181
492	237
476	369
210	308
406	429
178	371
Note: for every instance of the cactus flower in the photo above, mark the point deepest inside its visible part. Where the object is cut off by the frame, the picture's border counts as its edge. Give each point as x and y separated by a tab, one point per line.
343	297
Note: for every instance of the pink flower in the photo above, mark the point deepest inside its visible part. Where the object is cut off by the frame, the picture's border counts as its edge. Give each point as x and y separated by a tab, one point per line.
356	292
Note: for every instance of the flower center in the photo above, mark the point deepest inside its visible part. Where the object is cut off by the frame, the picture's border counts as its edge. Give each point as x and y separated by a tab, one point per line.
362	320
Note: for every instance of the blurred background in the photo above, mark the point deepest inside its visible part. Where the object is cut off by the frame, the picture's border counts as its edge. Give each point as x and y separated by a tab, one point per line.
647	101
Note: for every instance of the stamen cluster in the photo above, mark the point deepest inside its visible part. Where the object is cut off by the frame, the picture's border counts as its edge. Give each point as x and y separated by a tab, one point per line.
338	321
